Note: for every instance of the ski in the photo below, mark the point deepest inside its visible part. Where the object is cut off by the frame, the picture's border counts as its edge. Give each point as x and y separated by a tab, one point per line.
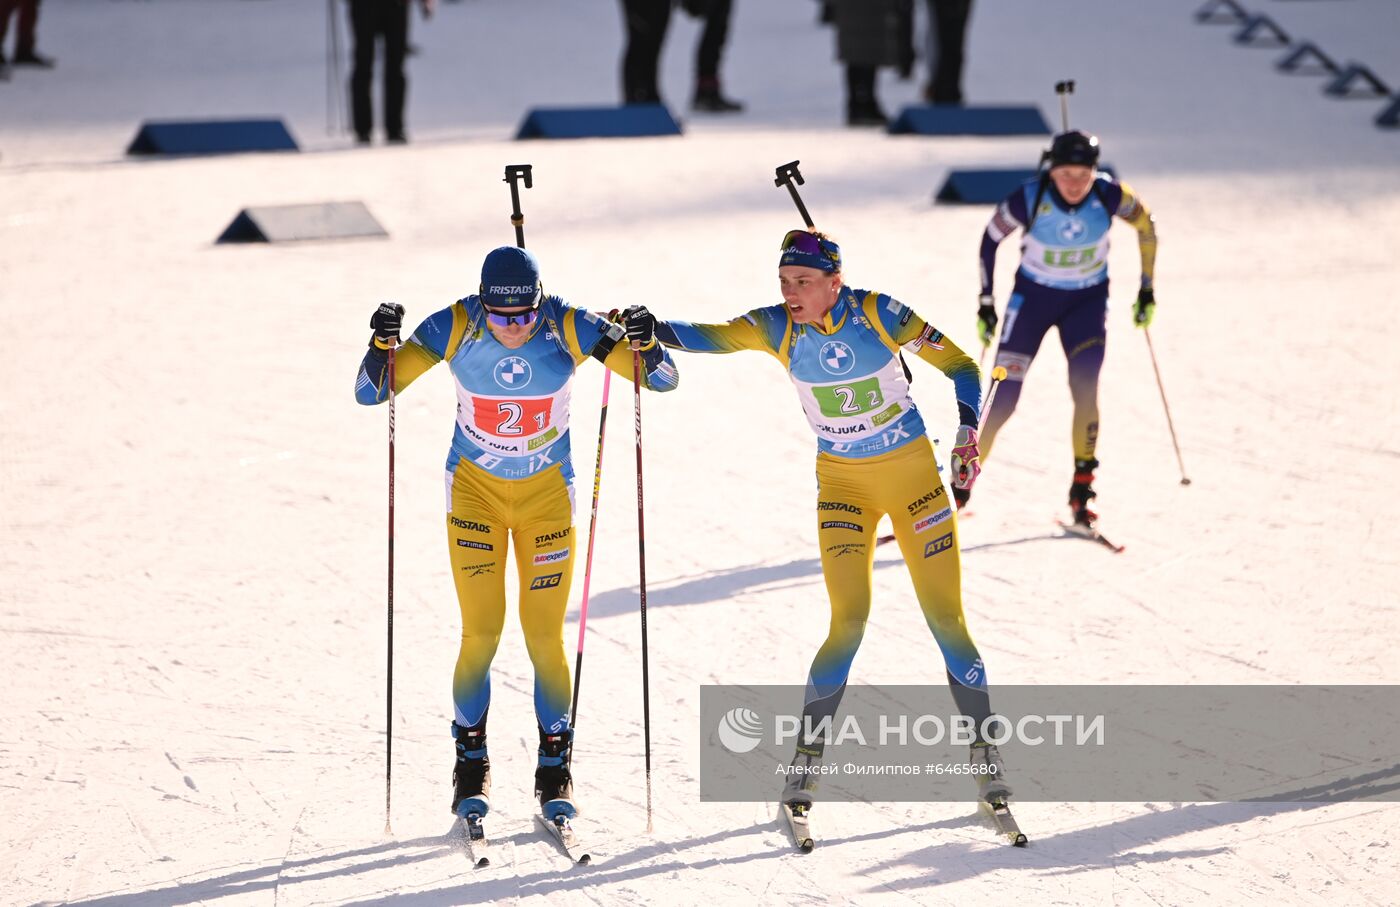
479	848
796	815
1089	533
1004	821
563	832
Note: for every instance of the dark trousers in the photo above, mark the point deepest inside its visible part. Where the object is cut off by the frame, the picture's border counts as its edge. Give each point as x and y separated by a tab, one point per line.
369	20
646	22
28	22
947	34
712	40
1080	317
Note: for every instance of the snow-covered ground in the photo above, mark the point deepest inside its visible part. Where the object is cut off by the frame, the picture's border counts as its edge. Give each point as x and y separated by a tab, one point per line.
192	530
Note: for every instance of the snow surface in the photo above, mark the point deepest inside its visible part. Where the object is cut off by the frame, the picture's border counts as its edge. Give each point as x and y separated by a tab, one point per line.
192	536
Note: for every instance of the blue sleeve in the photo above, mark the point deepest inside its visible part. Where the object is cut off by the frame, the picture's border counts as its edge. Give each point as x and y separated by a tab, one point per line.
1009	216
592	329
1110	193
434	332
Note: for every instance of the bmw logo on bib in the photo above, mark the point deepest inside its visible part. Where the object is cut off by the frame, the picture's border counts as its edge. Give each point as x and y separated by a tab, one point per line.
837	358
1073	230
512	373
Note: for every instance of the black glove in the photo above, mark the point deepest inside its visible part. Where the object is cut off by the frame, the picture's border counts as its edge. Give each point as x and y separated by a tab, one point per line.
986	319
1144	308
641	327
386	322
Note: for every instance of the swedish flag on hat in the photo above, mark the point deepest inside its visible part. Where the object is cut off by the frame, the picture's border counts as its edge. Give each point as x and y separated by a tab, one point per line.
510	276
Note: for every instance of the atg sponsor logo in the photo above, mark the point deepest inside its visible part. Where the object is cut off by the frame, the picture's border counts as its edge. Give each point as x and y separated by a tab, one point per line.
550	557
939	545
546	582
932	520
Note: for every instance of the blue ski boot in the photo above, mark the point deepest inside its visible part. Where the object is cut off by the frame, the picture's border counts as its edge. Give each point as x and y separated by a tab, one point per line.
471	777
554	783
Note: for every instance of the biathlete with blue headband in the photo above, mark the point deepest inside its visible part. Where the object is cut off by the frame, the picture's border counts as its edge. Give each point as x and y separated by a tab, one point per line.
512	351
841	348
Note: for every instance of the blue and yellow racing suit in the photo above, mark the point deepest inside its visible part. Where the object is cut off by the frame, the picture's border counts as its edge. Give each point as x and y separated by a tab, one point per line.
874	458
509	475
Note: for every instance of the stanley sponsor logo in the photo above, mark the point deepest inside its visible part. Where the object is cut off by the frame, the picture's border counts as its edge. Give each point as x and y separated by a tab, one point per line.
915	507
552	536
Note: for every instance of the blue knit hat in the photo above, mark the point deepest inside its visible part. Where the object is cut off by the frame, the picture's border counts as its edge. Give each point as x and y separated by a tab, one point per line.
510	276
810	250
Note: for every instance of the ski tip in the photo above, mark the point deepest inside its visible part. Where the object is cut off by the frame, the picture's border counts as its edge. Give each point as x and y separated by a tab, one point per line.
483	862
585	859
806	845
1019	840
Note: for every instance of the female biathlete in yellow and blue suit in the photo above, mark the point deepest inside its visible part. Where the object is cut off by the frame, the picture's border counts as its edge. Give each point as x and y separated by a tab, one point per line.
841	348
512	352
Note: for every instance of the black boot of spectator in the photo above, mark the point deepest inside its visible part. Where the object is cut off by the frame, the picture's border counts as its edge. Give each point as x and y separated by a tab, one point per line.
862	107
709	98
30	58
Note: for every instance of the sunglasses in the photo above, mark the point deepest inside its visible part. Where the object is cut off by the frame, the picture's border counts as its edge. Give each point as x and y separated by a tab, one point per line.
808	243
506	319
802	241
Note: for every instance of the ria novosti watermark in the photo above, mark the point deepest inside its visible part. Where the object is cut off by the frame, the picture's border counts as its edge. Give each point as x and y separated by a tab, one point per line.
1075	743
741	730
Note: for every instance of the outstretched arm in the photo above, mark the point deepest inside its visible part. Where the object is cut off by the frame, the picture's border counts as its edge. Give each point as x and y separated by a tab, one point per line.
760	329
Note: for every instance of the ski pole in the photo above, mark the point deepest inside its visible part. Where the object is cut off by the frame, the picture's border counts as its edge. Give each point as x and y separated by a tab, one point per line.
1064	90
998	376
515	173
642	575
389	683
1165	408
788	175
588	563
